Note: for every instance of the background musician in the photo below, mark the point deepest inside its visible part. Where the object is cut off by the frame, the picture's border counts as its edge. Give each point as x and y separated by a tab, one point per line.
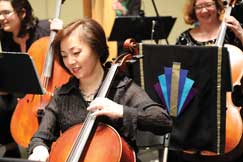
81	49
19	29
206	18
126	7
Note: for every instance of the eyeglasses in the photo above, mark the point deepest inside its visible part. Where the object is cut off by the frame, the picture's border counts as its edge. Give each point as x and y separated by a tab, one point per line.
207	5
6	13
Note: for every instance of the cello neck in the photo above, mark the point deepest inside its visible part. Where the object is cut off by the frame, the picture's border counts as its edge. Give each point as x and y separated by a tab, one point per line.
47	71
89	122
57	15
223	28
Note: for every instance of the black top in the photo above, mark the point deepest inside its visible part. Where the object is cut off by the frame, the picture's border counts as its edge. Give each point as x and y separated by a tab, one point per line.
185	38
42	29
68	108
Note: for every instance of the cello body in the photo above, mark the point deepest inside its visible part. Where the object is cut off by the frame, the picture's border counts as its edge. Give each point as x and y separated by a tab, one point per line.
24	121
234	126
104	145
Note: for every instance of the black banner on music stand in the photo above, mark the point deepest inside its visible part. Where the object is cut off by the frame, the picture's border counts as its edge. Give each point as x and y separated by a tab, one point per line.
196	126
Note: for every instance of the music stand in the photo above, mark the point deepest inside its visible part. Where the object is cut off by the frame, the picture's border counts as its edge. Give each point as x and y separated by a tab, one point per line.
18	74
141	28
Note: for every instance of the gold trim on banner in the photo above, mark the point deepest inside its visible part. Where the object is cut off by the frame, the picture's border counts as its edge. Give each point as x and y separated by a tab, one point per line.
218	102
141	66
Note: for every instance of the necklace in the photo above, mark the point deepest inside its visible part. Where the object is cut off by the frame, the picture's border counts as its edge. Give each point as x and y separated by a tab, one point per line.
89	96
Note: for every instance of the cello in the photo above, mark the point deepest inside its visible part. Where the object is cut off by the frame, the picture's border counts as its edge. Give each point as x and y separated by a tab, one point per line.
27	114
79	142
234	126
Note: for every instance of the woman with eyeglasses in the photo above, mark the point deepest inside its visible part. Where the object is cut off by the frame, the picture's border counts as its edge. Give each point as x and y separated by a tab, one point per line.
19	28
206	16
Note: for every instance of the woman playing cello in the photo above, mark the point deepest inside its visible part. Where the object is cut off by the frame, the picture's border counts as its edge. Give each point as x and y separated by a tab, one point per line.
82	50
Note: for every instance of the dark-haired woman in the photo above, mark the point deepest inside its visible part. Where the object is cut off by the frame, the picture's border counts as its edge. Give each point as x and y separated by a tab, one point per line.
81	49
19	28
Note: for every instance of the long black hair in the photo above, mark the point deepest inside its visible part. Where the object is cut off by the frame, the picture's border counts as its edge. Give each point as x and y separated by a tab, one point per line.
29	21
